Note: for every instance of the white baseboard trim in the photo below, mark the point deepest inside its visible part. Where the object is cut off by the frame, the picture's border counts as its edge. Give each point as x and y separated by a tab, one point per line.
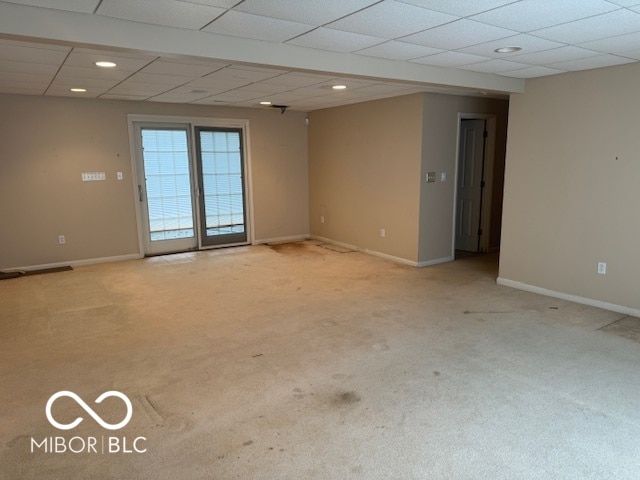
391	258
634	312
333	242
374	253
293	238
79	263
437	261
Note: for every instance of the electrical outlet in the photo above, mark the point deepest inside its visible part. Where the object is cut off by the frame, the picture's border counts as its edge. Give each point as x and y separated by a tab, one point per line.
119	175
383	233
321	218
602	268
61	240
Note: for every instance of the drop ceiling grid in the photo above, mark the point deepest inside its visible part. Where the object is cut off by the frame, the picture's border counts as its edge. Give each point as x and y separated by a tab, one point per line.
563	35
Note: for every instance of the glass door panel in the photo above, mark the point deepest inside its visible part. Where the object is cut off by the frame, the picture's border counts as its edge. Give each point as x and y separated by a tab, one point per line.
167	190
222	195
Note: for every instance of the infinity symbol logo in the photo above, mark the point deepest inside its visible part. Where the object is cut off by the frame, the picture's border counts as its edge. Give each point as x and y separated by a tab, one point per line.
89	410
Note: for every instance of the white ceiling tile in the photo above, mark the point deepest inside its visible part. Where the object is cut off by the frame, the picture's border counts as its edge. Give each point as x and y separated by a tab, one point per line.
211	101
82	6
240	75
139	88
88	60
170	13
593	28
236	96
30	54
297	80
247	25
619	44
163	67
528	43
459	34
450	59
555	55
462	8
214	3
494	66
527	15
84	82
335	40
265	88
309	12
43	45
634	54
313	92
68	71
391	19
394	50
28	67
171	80
212	85
282	98
116	96
351	83
20	89
31	80
172	97
636	9
65	91
532	72
591	62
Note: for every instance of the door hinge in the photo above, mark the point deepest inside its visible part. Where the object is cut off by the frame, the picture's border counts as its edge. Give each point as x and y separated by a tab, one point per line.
485	134
482	184
479	231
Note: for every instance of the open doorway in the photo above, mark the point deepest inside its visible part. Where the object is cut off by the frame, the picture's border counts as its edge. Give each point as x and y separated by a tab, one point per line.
474	184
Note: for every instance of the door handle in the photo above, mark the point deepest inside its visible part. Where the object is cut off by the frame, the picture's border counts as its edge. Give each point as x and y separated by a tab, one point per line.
140	197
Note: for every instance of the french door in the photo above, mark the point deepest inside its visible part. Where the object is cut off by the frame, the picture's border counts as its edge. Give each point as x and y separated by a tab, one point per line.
190	197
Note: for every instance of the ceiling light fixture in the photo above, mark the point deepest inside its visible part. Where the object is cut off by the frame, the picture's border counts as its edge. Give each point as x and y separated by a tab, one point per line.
265	103
508	49
105	64
339	87
78	90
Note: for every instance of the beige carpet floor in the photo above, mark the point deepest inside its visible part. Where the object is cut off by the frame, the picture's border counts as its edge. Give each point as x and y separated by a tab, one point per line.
299	362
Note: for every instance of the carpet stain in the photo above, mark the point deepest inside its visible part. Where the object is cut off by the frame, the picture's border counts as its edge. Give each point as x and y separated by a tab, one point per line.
346	398
247	443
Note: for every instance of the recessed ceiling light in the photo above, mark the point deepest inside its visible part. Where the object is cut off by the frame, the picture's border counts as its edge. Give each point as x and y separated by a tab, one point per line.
265	103
339	87
508	49
105	64
78	90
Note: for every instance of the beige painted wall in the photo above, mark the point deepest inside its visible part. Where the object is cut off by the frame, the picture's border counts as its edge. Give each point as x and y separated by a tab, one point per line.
45	144
571	193
440	137
367	165
364	165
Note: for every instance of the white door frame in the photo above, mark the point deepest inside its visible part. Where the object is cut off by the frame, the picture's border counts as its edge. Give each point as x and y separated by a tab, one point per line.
487	191
191	121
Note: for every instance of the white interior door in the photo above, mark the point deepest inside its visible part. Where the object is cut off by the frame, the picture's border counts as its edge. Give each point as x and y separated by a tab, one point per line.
470	184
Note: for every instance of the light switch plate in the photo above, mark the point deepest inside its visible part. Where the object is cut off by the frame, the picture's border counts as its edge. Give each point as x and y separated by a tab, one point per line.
431	177
93	176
